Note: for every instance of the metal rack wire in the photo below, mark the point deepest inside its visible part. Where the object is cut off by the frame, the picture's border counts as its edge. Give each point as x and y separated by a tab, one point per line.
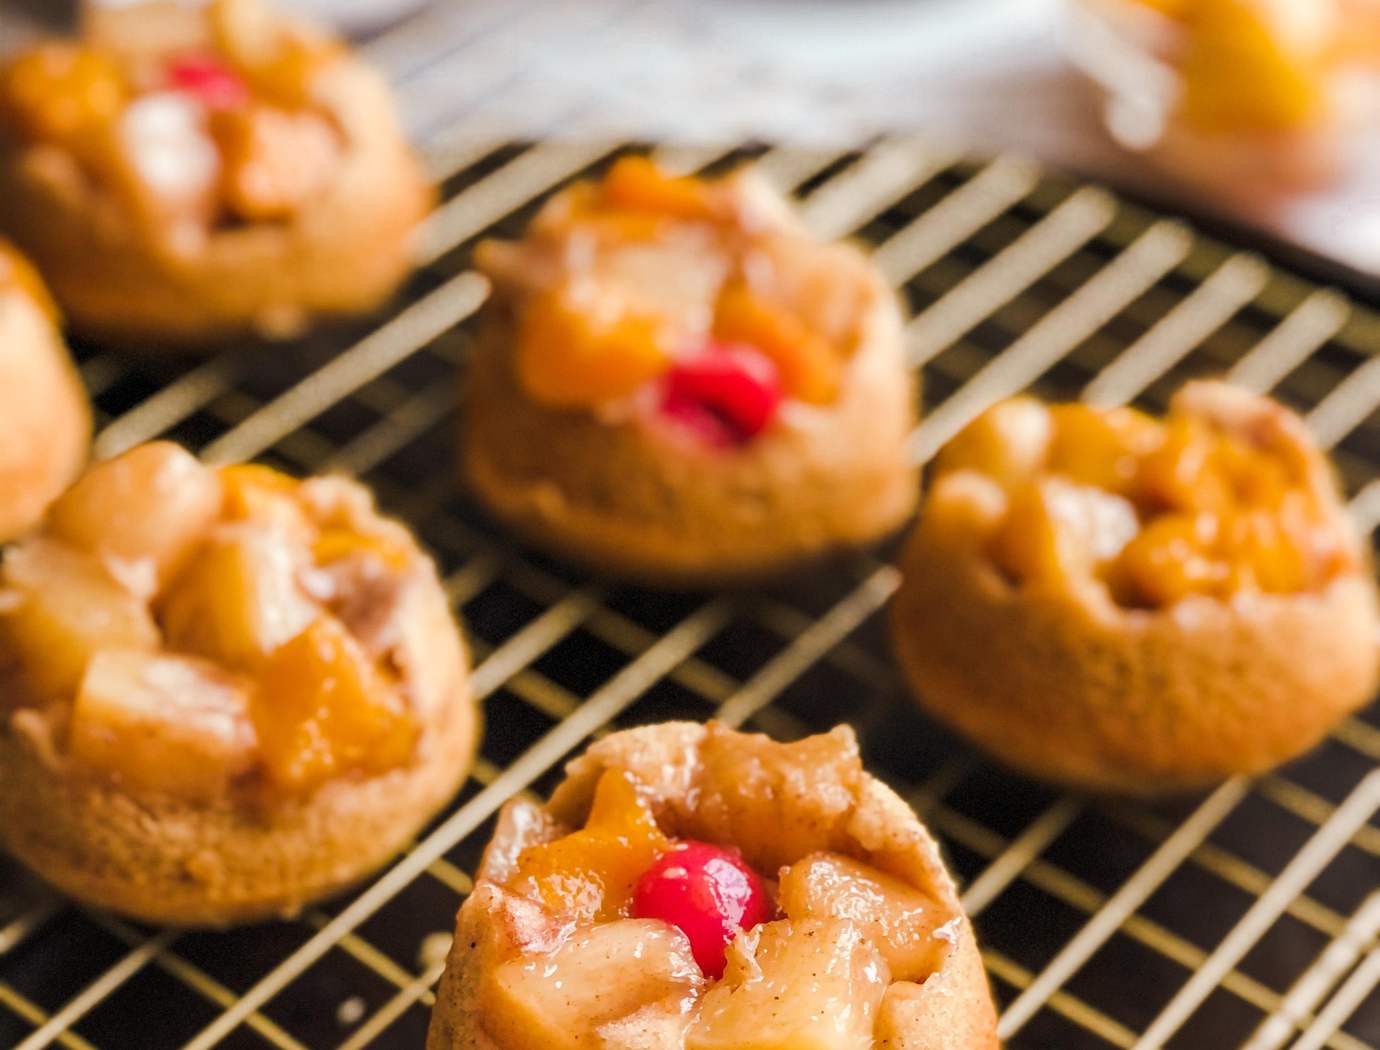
1249	917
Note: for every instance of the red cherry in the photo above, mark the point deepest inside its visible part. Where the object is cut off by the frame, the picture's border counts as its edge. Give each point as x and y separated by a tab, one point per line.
209	79
728	395
708	892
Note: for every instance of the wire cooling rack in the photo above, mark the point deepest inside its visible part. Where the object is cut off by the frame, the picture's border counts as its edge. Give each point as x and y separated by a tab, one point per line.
1244	918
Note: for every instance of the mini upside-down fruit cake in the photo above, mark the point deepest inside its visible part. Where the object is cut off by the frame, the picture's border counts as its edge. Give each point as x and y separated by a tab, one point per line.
223	692
1136	605
185	174
688	887
678	383
45	420
1272	97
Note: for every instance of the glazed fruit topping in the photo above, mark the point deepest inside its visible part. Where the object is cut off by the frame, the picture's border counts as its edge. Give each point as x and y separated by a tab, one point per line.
726	395
810	368
641	276
591	874
811	984
275	159
210	80
709	893
1255	65
1157	511
61	93
636	184
581	344
166	608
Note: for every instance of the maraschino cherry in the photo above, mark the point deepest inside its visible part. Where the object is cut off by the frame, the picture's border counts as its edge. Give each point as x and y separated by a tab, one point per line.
727	395
208	79
707	891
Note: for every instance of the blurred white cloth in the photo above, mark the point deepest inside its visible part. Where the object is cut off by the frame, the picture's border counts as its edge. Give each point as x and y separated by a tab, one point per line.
990	74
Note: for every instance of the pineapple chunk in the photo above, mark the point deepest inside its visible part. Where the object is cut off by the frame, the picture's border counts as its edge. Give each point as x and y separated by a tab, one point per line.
66	607
1008	443
1176	556
266	497
591	874
812	984
240	600
584	344
601	974
275	160
1057	531
777	801
897	918
162	723
150	506
636	184
61	93
322	709
1100	447
1256	65
811	369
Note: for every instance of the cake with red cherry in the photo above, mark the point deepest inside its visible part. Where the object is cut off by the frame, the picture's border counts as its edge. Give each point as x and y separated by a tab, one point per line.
677	383
223	692
1138	605
688	887
182	175
45	420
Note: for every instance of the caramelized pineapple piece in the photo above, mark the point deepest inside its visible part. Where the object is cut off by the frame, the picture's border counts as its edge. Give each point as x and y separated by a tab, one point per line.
280	61
1172	558
582	345
1008	443
265	496
811	370
1099	447
1255	65
560	1000
636	184
898	919
1265	555
322	708
173	724
64	608
240	599
811	984
337	544
590	874
1184	471
149	507
818	779
1056	531
61	93
275	160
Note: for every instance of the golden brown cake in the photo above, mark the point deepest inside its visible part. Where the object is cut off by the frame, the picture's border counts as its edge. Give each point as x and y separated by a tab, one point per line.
45	421
677	383
223	693
181	176
1126	604
692	888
